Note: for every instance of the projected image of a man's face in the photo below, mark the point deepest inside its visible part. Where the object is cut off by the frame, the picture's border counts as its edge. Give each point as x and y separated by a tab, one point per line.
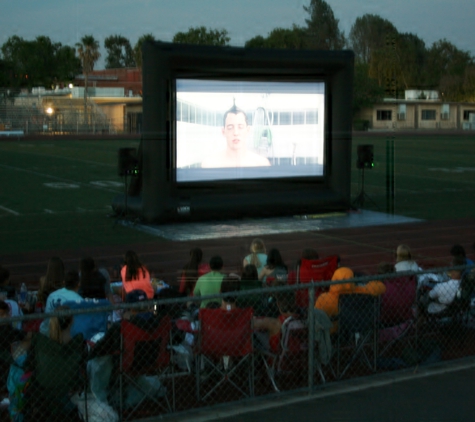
236	131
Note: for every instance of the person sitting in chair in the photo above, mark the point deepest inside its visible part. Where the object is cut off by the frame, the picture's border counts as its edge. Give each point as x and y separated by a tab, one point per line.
443	294
272	327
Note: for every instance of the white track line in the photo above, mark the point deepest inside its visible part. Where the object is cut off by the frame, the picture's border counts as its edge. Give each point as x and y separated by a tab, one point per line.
9	210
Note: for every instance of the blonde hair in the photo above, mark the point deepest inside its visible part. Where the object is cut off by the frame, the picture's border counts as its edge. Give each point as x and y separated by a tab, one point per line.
257	246
59	324
403	253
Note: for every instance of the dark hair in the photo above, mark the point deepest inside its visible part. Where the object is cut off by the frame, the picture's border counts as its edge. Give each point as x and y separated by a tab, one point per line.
4	306
249	273
95	287
274	259
4	275
286	301
309	253
457	250
53	280
234	110
458	261
71	280
385	268
190	270
216	263
133	266
230	283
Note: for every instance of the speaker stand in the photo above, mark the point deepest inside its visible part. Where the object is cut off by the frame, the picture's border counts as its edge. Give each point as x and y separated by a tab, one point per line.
124	214
360	199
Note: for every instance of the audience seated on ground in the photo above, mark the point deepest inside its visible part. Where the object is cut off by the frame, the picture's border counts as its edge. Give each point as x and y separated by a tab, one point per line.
443	294
192	270
258	256
210	283
6	290
404	261
53	280
68	293
135	276
328	302
275	272
93	283
400	296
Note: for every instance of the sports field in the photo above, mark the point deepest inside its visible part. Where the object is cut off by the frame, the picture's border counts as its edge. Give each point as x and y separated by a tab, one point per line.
56	194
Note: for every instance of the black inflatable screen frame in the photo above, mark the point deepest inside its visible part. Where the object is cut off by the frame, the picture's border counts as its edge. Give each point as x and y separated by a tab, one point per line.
163	199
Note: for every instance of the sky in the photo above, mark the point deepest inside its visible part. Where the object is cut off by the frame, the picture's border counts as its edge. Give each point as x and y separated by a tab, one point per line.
66	21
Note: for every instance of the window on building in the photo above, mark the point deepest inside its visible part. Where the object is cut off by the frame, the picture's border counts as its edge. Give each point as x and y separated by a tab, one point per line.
428	115
298	118
384	115
312	117
466	114
445	112
285	118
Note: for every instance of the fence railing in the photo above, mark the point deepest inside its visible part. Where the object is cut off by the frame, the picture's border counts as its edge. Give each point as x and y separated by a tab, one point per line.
146	358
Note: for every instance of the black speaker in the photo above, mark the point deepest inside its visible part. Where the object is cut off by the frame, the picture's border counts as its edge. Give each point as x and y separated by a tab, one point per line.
365	158
128	162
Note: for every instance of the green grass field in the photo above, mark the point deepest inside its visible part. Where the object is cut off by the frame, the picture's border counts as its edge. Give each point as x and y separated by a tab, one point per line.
56	194
434	175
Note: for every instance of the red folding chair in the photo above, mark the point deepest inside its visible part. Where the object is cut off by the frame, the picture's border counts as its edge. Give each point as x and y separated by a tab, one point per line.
144	353
225	346
398	317
312	270
292	355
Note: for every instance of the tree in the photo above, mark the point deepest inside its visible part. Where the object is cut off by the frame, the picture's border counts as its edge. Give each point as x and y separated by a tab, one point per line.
138	48
88	52
119	52
366	90
322	27
294	38
444	58
203	36
68	65
40	62
368	34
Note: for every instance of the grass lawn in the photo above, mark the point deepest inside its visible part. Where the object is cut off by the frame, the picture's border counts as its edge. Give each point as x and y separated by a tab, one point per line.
434	175
56	194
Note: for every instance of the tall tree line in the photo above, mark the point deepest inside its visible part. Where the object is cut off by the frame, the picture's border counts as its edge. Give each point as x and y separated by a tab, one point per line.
387	61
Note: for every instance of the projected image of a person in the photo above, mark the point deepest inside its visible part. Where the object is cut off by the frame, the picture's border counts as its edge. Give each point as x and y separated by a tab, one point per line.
236	154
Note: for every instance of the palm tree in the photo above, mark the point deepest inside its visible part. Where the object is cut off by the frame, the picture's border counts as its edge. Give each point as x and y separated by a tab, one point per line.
88	51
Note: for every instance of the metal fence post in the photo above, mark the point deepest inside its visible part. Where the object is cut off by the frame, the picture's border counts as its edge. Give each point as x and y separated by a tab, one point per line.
311	336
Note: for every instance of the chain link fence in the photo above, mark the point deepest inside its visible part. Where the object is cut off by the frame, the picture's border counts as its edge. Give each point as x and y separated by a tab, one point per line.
142	358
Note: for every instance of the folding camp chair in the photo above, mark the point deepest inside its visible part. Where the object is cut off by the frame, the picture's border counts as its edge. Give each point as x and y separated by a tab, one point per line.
59	369
312	270
144	353
292	355
398	314
225	345
357	328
